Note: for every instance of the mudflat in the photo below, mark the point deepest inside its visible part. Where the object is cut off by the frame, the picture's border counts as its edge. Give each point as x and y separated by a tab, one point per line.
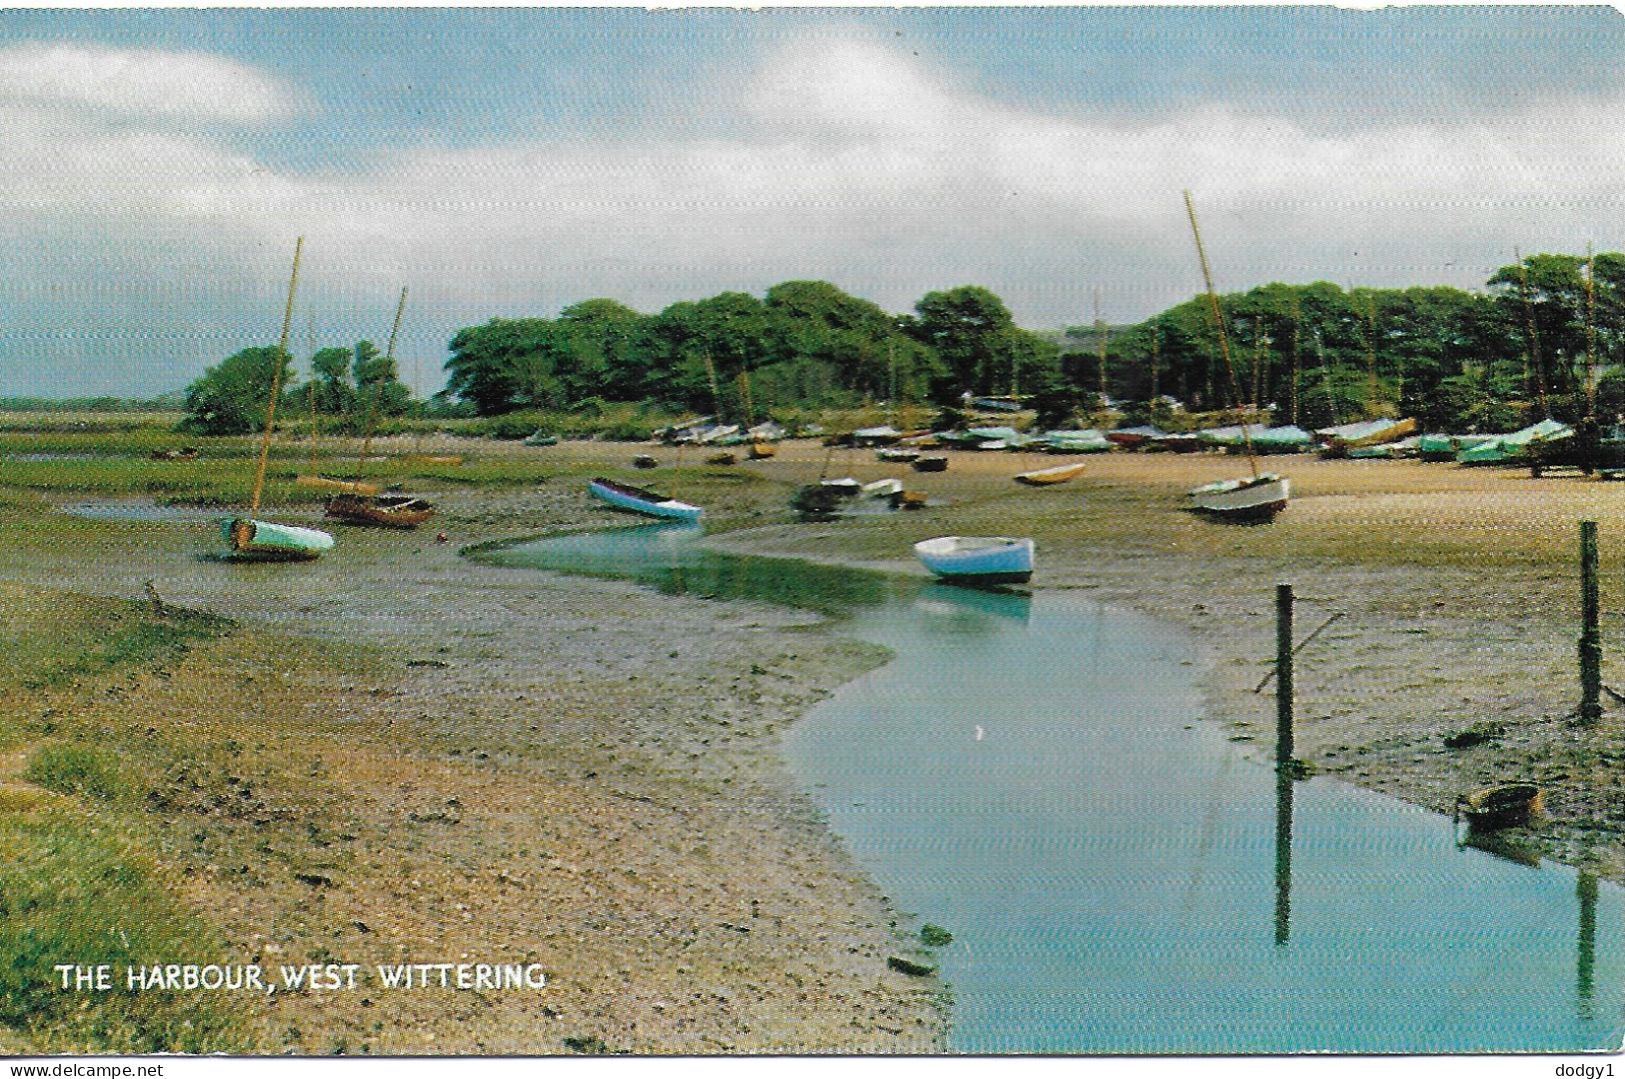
397	754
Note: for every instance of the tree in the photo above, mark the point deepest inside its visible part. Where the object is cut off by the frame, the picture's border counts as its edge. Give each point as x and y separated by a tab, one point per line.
969	329
231	398
335	393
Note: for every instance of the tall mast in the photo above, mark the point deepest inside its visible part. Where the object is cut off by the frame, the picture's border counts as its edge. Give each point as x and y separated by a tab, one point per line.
276	380
1292	387
716	394
1100	335
1591	331
1531	336
1218	320
372	401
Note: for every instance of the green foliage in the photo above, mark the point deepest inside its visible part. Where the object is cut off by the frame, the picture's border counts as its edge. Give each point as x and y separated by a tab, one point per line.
231	398
74	769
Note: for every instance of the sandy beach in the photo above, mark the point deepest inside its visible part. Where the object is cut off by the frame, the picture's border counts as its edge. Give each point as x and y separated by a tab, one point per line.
404	755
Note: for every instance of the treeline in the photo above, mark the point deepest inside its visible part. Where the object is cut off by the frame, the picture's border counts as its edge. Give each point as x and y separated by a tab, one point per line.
355	382
804	344
1543	339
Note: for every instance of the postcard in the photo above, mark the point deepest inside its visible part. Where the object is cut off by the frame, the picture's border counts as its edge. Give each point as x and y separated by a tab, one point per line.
552	532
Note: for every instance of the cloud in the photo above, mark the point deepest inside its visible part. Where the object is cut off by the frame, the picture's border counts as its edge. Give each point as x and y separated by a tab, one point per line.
828	157
101	84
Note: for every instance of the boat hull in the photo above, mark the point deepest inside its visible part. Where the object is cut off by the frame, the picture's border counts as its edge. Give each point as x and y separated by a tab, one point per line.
978	561
931	464
637	500
263	541
1048	477
383	512
1239	500
1511	805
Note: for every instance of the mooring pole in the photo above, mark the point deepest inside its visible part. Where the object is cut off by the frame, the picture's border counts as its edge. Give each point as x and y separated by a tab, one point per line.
1283	673
1590	635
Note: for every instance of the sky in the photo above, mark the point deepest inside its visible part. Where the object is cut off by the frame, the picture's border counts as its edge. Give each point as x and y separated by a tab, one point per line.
159	164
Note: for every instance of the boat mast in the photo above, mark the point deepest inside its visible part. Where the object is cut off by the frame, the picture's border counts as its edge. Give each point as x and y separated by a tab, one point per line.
1100	339
1218	320
1531	337
1292	386
276	381
716	393
1591	332
372	402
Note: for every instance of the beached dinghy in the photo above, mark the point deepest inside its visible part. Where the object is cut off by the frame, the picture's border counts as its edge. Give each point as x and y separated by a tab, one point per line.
1255	498
1508	805
1262	495
886	488
638	500
264	541
980	560
1045	477
385	511
247	538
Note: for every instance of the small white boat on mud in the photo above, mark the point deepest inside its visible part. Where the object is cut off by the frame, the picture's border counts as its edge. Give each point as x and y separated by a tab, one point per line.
1254	498
886	488
624	496
978	560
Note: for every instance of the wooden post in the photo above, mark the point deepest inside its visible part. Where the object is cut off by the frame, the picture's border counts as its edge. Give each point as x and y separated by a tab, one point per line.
1590	635
1283	673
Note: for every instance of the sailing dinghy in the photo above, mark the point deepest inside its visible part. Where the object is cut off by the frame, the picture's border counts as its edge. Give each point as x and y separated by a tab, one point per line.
248	538
1262	495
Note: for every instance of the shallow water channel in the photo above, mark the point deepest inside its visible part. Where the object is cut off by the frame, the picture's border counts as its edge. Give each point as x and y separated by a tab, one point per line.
1033	774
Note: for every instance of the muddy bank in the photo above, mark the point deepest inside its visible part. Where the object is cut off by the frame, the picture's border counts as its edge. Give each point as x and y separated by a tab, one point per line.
503	766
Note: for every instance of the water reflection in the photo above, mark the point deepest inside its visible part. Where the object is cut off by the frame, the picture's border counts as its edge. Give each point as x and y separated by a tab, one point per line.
1283	856
1027	771
1585	962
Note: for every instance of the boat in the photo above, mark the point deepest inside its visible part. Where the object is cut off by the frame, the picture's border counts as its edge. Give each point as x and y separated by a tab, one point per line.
897	456
1087	441
327	483
1047	477
541	438
846	486
1342	440
931	464
726	457
1514	447
254	540
1262	495
1255	498
1506	805
638	500
250	539
184	453
1132	437
910	500
816	502
886	488
385	511
980	560
761	450
643	460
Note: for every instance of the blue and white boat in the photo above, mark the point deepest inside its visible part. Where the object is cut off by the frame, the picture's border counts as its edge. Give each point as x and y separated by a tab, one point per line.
979	560
624	496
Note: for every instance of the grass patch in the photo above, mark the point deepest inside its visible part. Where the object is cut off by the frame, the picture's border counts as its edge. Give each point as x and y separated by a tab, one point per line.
49	639
70	893
74	769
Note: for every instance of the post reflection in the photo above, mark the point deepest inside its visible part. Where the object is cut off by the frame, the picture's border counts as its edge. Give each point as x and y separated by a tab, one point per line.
1283	856
1586	954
